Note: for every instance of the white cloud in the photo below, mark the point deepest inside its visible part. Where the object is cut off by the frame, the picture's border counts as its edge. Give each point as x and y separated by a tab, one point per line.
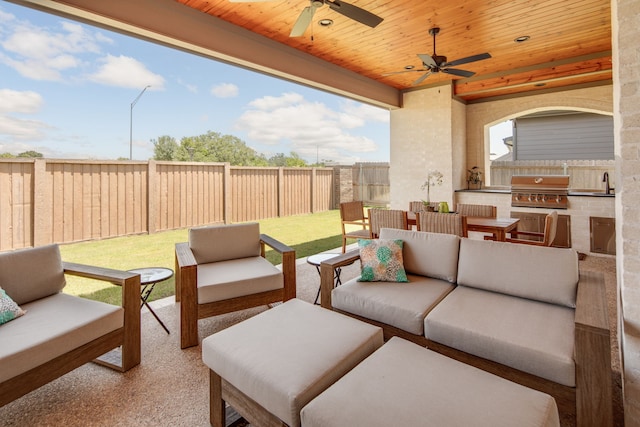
13	101
13	129
310	129
225	90
124	71
190	87
42	53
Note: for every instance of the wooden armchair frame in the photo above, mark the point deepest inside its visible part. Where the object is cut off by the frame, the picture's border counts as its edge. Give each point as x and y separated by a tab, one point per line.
352	213
546	237
128	337
187	292
590	401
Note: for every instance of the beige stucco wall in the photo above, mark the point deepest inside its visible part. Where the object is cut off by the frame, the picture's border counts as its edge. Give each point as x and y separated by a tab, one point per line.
626	65
422	140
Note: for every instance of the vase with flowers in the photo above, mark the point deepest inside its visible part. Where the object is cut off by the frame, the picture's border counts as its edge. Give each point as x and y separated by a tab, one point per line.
433	178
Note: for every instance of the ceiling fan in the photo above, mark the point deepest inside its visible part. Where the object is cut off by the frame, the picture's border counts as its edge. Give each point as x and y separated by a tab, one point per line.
342	7
437	63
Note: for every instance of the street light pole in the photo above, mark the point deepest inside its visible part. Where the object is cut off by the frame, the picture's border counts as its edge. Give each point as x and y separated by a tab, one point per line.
133	104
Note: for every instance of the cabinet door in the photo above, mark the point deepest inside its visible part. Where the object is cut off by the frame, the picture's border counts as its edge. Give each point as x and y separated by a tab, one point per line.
603	235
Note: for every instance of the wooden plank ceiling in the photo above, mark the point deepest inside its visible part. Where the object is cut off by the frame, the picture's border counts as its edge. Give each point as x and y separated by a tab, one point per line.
569	40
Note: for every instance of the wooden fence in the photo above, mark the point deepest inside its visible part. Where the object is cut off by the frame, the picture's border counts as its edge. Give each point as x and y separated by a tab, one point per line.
45	201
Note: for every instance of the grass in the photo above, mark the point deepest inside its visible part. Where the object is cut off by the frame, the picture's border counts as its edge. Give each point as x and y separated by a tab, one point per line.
307	234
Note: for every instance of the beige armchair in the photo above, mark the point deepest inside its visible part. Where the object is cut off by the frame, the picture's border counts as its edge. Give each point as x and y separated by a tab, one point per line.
222	269
78	330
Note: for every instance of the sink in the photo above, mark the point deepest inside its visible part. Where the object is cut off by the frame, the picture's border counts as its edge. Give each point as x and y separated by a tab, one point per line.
589	192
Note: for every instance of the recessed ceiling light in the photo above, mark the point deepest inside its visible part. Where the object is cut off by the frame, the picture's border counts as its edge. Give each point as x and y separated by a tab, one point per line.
325	22
521	39
409	67
540	84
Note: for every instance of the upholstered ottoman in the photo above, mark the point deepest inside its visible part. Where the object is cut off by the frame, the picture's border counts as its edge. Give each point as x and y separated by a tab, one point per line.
404	384
271	365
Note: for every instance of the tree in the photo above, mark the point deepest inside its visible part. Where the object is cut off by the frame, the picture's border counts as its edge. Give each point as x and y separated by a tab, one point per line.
7	156
214	147
30	153
164	148
293	160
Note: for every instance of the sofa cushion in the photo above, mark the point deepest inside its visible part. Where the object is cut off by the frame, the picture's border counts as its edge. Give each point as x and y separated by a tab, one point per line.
237	277
539	273
427	254
403	384
29	274
381	261
531	336
224	242
53	326
403	305
9	310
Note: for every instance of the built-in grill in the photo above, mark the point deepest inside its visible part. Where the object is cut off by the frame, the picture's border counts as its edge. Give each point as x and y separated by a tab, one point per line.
540	191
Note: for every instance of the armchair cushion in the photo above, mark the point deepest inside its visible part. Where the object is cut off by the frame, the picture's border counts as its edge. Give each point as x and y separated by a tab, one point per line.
225	242
381	261
237	277
54	325
498	267
31	274
9	310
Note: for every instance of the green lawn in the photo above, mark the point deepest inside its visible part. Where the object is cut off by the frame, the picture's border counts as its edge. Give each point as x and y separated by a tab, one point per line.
307	234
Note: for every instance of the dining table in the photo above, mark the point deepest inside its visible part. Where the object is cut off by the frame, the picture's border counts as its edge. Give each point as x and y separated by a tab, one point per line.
498	227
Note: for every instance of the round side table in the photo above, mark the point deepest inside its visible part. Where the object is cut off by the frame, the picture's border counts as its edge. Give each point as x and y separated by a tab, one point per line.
149	277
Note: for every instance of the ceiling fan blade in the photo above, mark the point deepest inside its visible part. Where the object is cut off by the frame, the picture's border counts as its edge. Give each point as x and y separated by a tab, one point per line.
467	60
303	21
456	72
427	60
355	13
421	79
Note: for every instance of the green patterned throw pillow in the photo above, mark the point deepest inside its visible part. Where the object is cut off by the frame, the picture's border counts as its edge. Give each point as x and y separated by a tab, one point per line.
9	310
381	261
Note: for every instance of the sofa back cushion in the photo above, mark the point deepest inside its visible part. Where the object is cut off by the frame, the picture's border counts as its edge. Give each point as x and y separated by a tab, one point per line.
534	272
427	254
225	242
30	274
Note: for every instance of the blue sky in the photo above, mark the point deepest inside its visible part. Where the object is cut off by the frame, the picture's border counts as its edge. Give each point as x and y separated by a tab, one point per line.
66	91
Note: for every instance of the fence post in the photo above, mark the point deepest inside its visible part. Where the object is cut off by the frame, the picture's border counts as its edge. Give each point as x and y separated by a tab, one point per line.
227	188
280	191
41	209
152	196
313	190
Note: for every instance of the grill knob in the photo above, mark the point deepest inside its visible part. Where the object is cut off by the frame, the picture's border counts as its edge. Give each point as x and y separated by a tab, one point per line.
529	198
558	198
516	197
544	198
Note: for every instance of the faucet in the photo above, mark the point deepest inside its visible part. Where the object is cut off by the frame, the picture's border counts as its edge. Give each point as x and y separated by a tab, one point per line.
607	187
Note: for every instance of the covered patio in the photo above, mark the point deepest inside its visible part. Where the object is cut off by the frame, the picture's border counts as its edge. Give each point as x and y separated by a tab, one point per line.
444	124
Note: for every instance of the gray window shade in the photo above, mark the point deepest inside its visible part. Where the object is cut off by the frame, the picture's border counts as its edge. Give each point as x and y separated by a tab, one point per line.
581	136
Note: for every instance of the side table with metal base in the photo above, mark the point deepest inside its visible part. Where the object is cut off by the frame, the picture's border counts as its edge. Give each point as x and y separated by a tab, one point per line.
318	259
149	277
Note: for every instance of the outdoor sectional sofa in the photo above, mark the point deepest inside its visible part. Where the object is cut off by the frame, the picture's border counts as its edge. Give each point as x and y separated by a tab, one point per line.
60	332
522	312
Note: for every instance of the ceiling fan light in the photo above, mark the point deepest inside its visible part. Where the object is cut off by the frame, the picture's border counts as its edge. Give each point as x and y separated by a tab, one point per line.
409	67
325	22
521	39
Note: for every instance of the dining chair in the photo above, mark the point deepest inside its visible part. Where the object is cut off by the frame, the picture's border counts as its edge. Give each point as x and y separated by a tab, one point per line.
418	206
352	213
486	211
386	218
445	223
541	239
